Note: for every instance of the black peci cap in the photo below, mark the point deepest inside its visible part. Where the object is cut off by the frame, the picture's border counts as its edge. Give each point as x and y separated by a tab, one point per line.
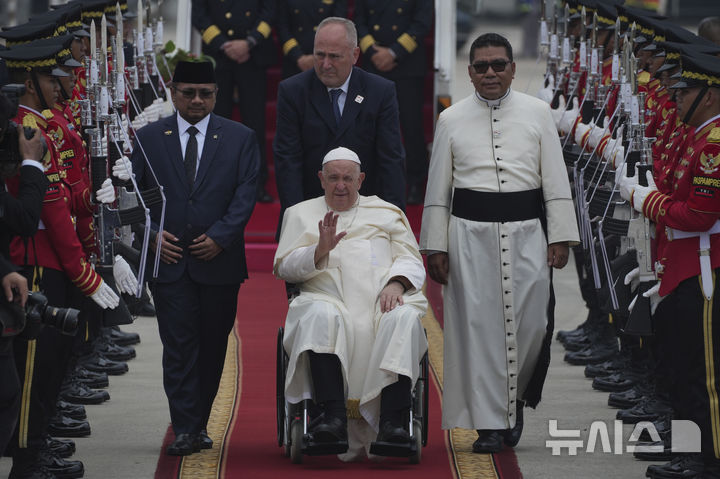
194	72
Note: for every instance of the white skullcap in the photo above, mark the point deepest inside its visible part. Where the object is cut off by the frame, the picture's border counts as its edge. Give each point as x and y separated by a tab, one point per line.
341	153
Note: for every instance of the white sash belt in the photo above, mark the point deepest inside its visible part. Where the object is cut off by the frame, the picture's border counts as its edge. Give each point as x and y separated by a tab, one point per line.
703	252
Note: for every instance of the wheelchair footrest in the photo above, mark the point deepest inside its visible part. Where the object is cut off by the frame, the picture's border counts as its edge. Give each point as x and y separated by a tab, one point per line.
312	448
394	449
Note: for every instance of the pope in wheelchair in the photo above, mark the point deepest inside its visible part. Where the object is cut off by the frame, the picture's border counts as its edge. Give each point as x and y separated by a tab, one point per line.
353	336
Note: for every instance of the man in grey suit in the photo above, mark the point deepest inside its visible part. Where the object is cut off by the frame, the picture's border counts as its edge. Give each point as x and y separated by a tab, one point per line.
208	167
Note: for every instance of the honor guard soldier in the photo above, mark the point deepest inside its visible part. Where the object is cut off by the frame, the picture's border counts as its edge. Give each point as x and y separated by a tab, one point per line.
54	260
392	39
689	262
297	21
237	35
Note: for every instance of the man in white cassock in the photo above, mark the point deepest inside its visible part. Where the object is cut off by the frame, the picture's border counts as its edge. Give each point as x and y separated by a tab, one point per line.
498	215
354	334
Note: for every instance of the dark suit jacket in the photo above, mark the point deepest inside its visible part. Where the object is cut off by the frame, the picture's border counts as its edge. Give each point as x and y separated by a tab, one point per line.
306	131
220	203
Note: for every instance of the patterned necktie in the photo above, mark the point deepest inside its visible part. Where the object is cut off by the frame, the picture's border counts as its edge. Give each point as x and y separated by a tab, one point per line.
335	95
191	156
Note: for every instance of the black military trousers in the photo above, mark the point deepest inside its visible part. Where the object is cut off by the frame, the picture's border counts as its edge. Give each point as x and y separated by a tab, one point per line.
42	363
410	103
9	392
250	81
696	340
194	321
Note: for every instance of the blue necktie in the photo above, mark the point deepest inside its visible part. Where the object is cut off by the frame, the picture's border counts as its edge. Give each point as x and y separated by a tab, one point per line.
335	95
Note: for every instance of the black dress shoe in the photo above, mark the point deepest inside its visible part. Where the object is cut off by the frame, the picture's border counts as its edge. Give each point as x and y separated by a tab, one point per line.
616	382
664	453
62	426
78	393
91	379
204	440
123	338
605	368
62	447
329	429
390	432
650	409
98	362
26	466
183	445
592	354
511	437
629	398
75	411
415	195
61	468
113	351
683	466
488	442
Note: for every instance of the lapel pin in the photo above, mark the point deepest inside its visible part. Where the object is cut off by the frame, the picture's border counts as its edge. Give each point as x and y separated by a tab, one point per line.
168	132
214	137
359	99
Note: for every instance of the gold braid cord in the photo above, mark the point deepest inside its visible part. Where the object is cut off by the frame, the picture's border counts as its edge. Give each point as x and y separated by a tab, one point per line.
210	463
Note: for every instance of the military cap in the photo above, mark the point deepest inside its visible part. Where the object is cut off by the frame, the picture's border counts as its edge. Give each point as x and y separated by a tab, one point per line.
38	58
111	9
28	32
640	17
574	8
73	22
92	10
699	70
606	15
64	56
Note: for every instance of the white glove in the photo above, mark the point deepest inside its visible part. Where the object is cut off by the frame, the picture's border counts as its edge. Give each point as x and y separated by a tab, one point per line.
568	119
614	152
122	168
546	93
598	133
105	297
106	193
125	279
139	121
580	131
654	295
124	124
557	113
642	192
626	184
632	278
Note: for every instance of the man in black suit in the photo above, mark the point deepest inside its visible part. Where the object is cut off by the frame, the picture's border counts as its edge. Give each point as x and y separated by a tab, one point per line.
392	39
337	104
208	167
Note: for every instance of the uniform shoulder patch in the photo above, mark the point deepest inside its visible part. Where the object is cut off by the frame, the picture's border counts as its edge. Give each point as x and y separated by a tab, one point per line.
643	78
714	135
48	114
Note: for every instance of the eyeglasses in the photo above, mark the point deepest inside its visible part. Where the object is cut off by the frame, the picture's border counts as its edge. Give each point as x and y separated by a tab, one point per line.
190	93
497	66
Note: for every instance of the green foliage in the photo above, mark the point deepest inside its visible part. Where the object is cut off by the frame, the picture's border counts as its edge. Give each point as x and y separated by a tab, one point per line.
171	55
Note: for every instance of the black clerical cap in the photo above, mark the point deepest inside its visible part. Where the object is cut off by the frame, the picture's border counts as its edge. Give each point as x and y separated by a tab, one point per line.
64	56
39	58
28	32
194	72
699	70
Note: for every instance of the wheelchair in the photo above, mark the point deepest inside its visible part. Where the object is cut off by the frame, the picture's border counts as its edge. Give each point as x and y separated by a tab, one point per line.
293	420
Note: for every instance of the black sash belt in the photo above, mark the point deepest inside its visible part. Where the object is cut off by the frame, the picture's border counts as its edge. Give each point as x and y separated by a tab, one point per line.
497	207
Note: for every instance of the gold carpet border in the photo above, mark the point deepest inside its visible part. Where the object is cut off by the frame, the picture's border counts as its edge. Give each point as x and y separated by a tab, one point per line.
467	463
210	463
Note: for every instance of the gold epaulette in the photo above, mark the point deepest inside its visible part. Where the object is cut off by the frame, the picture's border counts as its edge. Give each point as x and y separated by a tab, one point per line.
714	136
47	114
643	78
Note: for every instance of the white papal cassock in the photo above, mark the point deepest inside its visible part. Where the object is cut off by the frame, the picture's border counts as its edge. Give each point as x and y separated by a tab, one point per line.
495	302
338	312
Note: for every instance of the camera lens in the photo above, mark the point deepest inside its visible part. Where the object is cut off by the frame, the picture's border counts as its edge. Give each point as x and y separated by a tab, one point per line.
64	319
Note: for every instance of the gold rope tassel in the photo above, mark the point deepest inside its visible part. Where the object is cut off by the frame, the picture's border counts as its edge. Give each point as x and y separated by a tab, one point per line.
710	370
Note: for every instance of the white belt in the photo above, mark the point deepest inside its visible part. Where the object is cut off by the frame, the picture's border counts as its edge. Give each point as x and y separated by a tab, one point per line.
703	252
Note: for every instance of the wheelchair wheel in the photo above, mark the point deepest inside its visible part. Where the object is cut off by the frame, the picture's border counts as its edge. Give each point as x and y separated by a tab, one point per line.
280	370
419	431
296	435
